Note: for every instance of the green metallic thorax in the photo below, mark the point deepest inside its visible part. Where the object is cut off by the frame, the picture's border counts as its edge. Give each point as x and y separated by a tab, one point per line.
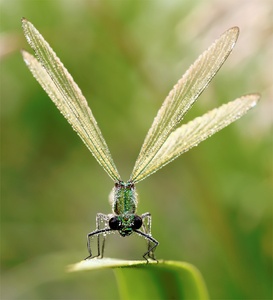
124	198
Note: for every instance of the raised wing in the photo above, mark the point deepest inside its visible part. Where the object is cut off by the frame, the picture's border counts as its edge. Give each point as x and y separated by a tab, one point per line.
196	131
181	98
67	96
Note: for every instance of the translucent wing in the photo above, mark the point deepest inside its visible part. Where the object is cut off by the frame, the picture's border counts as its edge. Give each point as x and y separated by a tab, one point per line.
181	98
196	131
64	92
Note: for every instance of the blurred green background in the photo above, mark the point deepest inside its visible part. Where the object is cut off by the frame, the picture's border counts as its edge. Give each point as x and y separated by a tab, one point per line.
212	207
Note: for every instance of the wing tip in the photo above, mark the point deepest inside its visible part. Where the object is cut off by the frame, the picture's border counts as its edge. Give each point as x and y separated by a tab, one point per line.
253	98
24	20
233	33
235	29
24	53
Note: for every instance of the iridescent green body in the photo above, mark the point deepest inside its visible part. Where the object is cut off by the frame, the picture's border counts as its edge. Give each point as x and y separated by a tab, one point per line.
124	206
124	201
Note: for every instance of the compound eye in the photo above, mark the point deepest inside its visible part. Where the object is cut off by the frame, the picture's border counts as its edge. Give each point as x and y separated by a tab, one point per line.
131	185
137	222
114	223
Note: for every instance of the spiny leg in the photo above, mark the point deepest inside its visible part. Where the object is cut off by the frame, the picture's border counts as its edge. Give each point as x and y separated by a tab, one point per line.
93	233
147	227
151	249
148	230
153	243
99	218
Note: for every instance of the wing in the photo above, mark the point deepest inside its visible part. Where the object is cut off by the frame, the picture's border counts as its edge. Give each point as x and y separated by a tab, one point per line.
67	96
196	131
181	98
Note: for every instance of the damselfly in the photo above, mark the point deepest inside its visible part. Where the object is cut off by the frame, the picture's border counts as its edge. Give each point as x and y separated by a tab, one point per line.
164	141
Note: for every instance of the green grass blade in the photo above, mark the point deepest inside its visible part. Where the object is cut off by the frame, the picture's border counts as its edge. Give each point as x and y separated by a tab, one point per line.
162	280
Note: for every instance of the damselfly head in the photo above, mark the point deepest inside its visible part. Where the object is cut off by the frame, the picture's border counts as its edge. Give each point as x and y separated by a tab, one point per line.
125	224
129	185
